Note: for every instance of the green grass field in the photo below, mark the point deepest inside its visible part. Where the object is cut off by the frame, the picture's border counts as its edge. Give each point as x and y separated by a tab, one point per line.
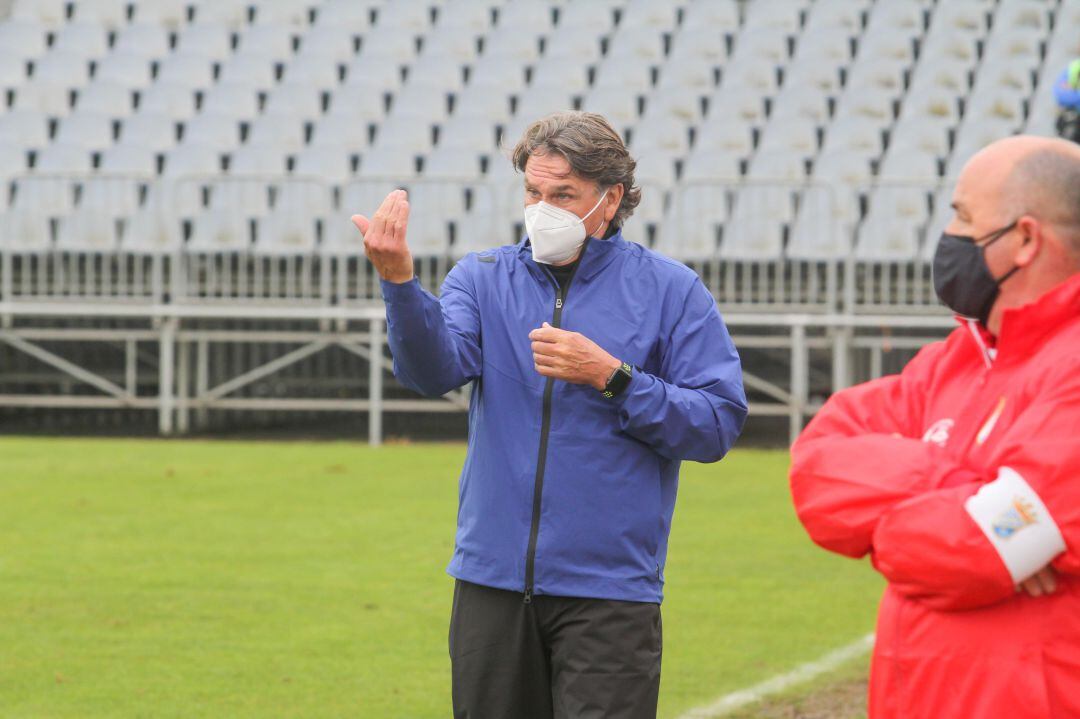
241	579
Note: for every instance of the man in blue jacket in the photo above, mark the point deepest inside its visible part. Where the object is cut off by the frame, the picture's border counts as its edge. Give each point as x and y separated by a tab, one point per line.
1067	94
597	366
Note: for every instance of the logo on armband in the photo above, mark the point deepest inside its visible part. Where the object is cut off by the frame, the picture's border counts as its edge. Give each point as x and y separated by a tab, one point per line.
1019	515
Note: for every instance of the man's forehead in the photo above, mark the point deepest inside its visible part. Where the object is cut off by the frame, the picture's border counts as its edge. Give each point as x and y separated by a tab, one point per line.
548	168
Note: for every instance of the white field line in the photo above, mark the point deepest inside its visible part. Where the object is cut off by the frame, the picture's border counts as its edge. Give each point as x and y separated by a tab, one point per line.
803	673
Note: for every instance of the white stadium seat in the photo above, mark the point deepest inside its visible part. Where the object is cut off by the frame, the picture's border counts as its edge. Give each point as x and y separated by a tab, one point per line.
51	13
23	38
113	99
146	39
86	39
91	130
108	13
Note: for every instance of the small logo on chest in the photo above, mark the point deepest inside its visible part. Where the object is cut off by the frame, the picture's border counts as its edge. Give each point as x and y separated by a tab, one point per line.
939	431
991	421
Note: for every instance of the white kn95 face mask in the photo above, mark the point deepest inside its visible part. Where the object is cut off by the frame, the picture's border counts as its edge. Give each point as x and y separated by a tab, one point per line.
556	234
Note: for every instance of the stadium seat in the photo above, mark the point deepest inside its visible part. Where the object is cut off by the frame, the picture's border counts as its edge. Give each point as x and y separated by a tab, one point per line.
50	98
451	45
400	47
720	15
93	131
25	231
225	13
205	39
295	99
287	131
255	69
330	164
388	162
174	101
237	100
800	103
25	129
465	16
107	98
282	12
345	131
129	159
420	101
336	43
796	136
88	40
62	68
189	70
777	165
218	131
489	102
618	106
595	15
88	230
286	233
658	133
51	189
51	13
169	13
273	40
23	38
221	231
846	14
467	132
638	43
407	133
13	72
312	70
354	14
414	17
110	14
452	163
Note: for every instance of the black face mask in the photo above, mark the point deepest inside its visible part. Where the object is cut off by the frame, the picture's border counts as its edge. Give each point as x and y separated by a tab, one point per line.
961	278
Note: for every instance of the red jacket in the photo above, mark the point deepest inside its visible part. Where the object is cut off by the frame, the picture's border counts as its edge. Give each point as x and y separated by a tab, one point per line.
961	477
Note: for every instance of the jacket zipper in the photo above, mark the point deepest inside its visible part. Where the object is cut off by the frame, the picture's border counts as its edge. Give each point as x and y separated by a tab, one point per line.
545	427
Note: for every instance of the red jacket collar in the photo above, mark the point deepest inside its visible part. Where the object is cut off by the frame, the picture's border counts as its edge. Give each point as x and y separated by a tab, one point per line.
1024	328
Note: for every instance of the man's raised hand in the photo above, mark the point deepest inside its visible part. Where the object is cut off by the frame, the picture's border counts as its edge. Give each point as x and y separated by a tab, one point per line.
384	238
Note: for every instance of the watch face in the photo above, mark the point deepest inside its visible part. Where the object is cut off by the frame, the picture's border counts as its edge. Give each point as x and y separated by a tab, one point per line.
620	378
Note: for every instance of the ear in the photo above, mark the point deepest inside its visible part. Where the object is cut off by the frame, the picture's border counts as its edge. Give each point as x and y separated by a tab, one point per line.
612	202
1031	231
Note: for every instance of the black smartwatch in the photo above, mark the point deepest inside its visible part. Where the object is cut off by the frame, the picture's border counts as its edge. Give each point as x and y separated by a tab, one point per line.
618	381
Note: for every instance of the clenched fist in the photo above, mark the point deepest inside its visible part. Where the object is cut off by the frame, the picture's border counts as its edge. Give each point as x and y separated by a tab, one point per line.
384	238
571	357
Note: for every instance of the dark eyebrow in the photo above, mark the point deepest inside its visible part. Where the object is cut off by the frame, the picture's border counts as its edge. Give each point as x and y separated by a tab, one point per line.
557	188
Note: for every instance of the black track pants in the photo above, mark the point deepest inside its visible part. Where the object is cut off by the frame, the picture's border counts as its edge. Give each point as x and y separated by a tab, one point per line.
555	658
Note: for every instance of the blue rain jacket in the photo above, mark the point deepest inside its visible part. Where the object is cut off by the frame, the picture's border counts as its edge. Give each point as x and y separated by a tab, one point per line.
1067	87
565	492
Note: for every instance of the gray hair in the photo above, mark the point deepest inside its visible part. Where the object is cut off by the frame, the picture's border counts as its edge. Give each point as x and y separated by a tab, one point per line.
591	146
1047	183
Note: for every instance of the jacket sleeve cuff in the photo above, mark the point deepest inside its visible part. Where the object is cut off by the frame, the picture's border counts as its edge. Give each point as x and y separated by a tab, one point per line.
640	384
402	293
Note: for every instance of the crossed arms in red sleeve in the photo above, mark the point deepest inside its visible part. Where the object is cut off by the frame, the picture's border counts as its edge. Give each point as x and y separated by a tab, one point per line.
946	534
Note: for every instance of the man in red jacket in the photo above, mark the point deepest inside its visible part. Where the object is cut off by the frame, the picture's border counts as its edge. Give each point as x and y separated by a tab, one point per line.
960	477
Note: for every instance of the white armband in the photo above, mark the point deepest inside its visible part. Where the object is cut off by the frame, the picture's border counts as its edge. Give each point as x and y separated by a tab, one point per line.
1017	523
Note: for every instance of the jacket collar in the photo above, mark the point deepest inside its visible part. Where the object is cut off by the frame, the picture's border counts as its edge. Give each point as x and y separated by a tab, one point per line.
595	256
1026	327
